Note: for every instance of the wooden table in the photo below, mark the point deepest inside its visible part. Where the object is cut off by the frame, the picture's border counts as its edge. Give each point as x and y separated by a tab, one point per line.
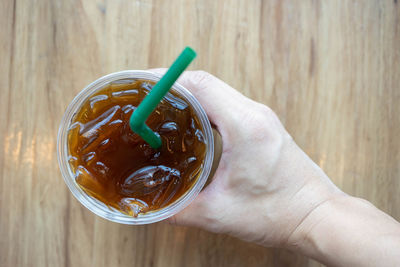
330	69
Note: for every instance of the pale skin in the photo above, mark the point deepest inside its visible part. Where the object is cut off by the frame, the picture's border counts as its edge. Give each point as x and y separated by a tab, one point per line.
266	190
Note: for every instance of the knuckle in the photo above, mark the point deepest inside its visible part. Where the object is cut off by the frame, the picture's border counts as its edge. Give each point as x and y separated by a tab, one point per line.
264	111
259	115
262	123
201	73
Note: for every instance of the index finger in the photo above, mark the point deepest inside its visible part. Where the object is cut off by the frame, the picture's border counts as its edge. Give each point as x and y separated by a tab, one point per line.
221	102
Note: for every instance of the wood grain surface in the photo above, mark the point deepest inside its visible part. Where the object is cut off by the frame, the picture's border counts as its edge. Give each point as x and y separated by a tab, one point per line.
330	69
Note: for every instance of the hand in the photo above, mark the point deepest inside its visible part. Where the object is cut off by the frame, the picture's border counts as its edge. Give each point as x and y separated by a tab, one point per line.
265	186
267	190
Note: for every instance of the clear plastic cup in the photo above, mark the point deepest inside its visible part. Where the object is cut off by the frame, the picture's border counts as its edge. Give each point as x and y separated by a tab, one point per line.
97	206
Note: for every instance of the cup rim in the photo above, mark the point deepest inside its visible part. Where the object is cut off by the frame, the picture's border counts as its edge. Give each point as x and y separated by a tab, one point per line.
96	206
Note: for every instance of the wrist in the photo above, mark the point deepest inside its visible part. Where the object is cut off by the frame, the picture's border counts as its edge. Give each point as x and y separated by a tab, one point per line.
347	231
303	239
320	209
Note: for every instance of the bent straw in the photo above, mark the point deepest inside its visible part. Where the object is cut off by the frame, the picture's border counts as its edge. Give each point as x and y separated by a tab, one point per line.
150	102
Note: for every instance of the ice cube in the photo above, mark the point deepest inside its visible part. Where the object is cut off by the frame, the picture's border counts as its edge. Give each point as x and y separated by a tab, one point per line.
133	206
94	125
175	101
147	180
123	93
86	180
96	131
169	126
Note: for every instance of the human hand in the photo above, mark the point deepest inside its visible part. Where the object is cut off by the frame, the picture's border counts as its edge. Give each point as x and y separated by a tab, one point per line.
265	185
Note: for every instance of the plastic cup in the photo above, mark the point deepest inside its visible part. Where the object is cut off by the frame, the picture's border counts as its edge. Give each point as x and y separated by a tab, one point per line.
97	206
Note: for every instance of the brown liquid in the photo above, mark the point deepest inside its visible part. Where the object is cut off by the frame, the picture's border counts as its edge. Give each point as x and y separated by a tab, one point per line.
114	165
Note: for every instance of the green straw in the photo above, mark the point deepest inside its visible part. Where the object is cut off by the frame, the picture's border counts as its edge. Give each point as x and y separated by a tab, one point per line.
150	102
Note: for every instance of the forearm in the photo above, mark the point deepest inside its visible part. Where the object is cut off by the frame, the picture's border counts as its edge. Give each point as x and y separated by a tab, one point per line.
348	231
